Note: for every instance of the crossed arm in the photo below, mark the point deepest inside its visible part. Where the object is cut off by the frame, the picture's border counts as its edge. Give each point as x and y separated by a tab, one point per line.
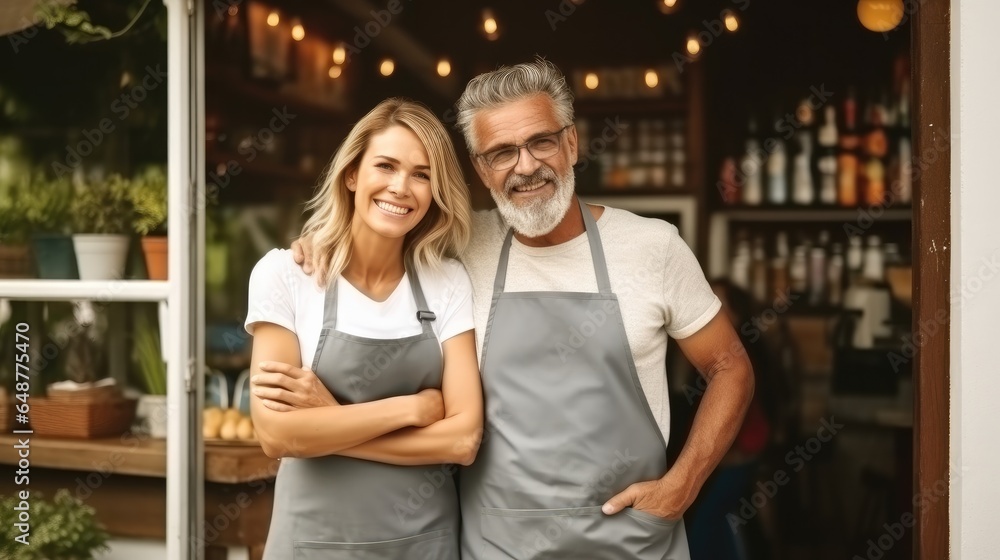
296	416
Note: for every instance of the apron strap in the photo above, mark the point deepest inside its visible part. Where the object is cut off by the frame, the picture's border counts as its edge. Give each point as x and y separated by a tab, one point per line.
596	254
424	314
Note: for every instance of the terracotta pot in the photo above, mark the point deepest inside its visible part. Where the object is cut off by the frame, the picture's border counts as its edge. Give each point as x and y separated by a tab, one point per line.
15	261
155	250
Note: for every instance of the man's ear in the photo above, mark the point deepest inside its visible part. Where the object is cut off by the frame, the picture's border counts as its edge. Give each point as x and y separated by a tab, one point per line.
573	141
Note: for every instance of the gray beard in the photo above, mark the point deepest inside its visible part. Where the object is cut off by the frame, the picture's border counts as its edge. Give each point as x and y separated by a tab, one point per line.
539	217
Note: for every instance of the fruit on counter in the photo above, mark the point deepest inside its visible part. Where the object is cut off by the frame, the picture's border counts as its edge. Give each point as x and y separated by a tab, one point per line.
228	424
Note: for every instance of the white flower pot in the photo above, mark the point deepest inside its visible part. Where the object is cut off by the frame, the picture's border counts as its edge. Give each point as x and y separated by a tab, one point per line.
152	414
100	256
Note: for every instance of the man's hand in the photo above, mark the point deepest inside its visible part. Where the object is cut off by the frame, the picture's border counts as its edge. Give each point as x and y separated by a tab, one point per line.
284	387
668	497
302	253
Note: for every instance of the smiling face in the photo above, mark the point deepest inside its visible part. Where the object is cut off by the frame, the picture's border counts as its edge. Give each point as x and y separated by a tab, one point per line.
392	184
534	195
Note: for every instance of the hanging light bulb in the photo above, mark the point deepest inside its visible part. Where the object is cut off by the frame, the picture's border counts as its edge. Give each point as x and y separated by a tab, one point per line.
298	32
339	54
335	71
591	80
273	19
693	46
233	9
731	21
491	29
387	67
667	6
880	15
652	79
443	67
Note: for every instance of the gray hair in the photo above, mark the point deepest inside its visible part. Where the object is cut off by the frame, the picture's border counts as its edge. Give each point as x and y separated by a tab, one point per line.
513	83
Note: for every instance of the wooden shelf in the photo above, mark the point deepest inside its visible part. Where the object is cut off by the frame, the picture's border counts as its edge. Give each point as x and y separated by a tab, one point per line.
816	214
140	456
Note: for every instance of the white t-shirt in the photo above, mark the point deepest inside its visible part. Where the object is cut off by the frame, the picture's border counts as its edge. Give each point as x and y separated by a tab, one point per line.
282	294
660	285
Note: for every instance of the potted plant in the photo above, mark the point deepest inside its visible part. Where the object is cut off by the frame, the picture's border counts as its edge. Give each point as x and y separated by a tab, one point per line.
103	214
15	253
46	211
63	528
149	197
153	374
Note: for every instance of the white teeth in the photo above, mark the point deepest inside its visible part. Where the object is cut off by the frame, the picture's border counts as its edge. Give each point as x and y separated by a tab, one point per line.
529	188
392	208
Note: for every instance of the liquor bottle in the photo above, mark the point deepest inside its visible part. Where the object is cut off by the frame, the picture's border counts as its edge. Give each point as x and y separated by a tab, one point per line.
903	180
777	168
660	172
835	276
803	190
739	268
817	270
779	268
873	269
854	259
758	271
678	156
876	146
847	157
827	159
752	168
798	271
729	184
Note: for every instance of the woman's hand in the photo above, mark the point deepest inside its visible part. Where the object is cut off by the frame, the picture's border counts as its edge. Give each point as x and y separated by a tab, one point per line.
429	407
284	387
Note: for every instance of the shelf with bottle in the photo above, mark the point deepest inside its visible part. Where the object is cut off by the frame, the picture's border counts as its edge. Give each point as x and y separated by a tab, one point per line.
815	158
644	155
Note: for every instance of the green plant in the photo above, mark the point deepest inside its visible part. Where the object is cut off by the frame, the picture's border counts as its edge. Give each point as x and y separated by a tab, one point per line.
149	197
64	528
104	207
146	352
14	225
36	204
75	24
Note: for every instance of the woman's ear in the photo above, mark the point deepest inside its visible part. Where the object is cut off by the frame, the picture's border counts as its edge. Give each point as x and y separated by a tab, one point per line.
351	179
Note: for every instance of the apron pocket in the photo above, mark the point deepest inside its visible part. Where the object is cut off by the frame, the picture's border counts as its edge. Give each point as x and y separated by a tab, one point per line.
584	532
436	545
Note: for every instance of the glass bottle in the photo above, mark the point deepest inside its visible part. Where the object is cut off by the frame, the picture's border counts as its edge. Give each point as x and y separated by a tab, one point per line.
752	168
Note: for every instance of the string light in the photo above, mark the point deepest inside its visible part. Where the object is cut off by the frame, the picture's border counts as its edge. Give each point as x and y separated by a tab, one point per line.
443	67
273	19
233	9
732	23
339	54
693	46
387	67
298	32
335	72
880	15
491	28
652	79
667	6
591	80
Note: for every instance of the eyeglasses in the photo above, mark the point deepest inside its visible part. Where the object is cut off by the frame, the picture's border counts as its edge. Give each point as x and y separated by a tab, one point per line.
541	147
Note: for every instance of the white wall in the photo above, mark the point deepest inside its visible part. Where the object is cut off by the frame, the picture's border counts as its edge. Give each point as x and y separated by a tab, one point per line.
975	379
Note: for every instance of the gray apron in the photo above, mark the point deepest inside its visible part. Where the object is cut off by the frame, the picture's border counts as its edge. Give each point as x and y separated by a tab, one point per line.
340	508
567	427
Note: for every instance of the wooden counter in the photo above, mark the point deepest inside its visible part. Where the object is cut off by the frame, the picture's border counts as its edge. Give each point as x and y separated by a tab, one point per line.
124	480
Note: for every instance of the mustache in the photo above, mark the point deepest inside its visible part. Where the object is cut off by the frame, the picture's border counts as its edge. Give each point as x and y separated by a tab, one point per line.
540	175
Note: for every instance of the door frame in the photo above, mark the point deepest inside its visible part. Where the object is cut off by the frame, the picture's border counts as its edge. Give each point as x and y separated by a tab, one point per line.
931	52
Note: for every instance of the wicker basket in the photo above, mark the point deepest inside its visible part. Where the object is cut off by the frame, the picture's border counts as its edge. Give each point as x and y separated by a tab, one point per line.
80	418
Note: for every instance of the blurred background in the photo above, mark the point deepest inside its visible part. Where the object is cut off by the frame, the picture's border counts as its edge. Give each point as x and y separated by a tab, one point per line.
775	135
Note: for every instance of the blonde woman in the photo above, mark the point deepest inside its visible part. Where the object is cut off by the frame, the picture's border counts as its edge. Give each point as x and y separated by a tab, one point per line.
389	401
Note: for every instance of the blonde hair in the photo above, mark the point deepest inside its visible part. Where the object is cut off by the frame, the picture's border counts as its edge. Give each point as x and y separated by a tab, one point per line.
512	83
443	232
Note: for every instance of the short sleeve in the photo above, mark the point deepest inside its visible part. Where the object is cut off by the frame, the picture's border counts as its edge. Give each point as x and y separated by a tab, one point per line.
271	297
689	300
456	316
